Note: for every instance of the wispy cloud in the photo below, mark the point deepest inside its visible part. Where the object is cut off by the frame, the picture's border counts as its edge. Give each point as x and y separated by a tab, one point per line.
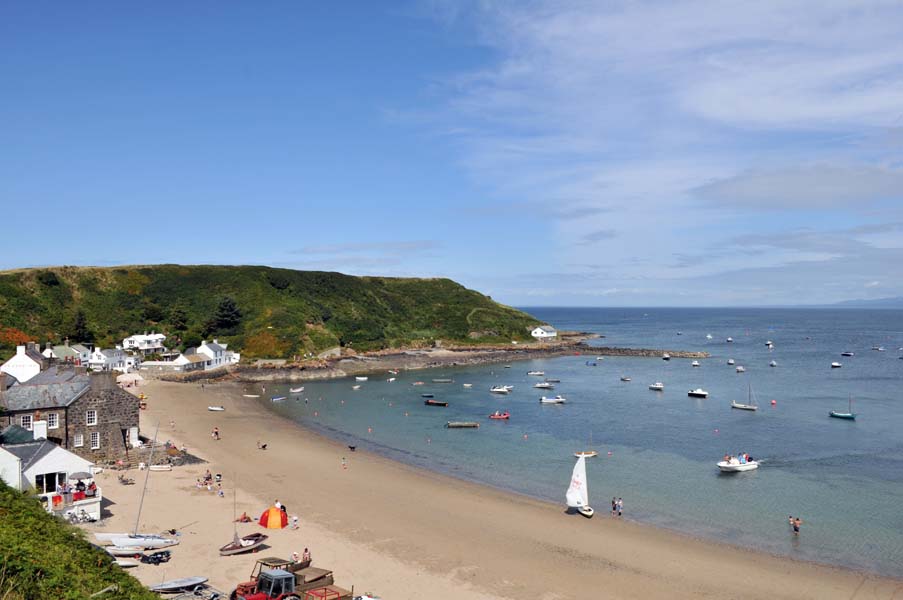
598	236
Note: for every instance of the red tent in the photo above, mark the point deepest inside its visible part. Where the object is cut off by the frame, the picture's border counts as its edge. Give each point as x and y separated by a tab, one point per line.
273	518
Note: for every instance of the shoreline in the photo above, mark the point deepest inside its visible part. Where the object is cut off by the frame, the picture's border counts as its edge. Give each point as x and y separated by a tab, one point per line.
453	536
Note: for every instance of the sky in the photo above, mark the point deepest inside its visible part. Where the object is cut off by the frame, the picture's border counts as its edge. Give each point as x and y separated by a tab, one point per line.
641	153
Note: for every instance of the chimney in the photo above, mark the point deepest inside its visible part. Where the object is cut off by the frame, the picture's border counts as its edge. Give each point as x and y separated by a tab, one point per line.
66	342
39	428
20	350
48	346
29	345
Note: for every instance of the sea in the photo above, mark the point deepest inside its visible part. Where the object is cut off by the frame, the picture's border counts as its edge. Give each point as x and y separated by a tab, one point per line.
657	450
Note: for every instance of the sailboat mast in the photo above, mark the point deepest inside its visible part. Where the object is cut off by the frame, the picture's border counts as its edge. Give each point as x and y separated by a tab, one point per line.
146	477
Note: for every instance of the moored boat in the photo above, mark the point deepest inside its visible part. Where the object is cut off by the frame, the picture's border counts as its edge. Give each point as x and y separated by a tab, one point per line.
586	453
536	373
216	408
849	415
468	385
658	386
698	393
625	378
435	403
500	415
773	363
846	353
666	356
296	390
277	398
553	400
836	365
361	378
730	361
740	369
462	425
501	389
543	385
695	363
443	380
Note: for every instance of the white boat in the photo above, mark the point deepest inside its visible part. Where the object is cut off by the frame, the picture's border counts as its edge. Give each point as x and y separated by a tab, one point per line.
769	343
297	390
625	378
393	371
251	395
501	389
846	354
740	369
163	467
544	385
735	466
658	386
666	356
216	408
468	385
126	563
577	495
708	336
695	363
836	365
124	550
773	363
555	400
698	393
360	378
537	373
600	358
730	361
750	399
185	584
355	387
278	398
729	340
390	379
145	541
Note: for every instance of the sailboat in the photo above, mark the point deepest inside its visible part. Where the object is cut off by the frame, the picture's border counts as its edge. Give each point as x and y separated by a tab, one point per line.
577	495
751	402
849	415
587	453
240	545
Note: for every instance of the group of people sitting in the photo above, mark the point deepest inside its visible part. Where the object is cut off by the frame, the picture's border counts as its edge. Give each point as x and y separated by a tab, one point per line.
741	459
78	491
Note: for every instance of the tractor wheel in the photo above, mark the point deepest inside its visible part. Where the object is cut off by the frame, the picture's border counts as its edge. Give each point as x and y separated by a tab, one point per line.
291	597
234	594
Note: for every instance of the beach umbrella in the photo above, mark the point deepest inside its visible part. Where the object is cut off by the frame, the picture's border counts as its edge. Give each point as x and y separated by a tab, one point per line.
80	475
273	518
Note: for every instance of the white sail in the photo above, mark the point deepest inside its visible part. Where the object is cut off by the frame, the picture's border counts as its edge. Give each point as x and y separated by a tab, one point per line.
578	493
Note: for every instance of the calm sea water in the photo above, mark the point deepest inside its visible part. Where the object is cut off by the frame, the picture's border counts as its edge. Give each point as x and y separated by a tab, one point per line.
658	449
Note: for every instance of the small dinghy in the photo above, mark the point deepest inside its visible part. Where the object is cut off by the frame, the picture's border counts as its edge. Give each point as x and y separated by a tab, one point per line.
355	387
740	369
462	425
443	380
536	373
390	380
468	385
544	385
577	495
360	379
625	378
737	465
695	363
501	389
129	551
240	545
216	408
730	361
251	395
666	356
435	403
126	563
849	415
500	415
427	396
173	586
836	365
278	398
296	390
658	386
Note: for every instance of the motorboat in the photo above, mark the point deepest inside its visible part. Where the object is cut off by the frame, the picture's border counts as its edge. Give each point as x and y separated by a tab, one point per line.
430	402
216	408
666	356
846	353
296	390
708	336
878	348
658	386
600	358
550	380
695	363
773	363
836	365
500	415
543	385
577	495
278	398
554	400
735	465
698	393
536	373
355	387
625	378
849	415
501	389
729	340
468	385
740	369
730	361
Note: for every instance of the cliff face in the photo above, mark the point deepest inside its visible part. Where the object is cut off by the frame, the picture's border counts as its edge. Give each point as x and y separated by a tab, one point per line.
260	311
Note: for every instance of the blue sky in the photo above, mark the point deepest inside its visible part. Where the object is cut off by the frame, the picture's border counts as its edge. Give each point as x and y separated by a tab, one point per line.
580	153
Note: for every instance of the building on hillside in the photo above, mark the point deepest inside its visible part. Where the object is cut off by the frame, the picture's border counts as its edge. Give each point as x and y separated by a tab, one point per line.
86	414
75	354
183	363
145	343
544	332
26	363
218	354
108	360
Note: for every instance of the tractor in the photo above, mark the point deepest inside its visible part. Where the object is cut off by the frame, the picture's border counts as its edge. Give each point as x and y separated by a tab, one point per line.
282	584
274	584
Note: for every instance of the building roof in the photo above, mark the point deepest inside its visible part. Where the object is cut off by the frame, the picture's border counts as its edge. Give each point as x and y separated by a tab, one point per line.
214	346
196	358
64	352
547	328
80	348
10	380
48	395
13	434
32	452
55	374
35	355
111	353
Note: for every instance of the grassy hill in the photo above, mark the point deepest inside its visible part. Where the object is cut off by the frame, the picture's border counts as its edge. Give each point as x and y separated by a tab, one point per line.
262	311
41	557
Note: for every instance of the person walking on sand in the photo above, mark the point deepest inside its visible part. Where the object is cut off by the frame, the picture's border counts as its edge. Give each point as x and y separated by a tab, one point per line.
215	433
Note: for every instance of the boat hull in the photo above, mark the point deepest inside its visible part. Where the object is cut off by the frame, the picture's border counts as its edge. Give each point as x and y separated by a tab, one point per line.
248	543
743	406
216	408
586	511
840	415
148	543
586	454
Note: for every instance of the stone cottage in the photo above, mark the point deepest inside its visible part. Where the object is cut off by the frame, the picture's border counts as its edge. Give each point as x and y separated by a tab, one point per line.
87	414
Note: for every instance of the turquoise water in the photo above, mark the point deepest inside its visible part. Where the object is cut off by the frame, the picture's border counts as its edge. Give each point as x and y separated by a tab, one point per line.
845	479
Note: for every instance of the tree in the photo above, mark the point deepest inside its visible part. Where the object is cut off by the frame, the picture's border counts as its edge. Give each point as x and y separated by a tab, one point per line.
80	331
178	318
226	318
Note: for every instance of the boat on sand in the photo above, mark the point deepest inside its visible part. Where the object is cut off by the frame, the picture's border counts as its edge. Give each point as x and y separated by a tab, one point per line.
577	495
240	545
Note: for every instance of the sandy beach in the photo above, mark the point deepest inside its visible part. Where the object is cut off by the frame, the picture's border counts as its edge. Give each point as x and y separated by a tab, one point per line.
404	533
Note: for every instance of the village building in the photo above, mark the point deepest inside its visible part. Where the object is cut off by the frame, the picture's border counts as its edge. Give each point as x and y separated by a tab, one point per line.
145	343
108	360
183	363
87	414
218	354
544	332
76	354
26	363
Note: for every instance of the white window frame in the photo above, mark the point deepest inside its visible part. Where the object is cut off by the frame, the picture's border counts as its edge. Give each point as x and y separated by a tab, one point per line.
29	419
88	420
53	421
78	440
95	445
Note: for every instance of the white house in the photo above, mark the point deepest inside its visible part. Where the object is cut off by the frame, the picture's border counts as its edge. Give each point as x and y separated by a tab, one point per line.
219	356
10	469
544	332
26	363
76	354
182	363
145	343
108	360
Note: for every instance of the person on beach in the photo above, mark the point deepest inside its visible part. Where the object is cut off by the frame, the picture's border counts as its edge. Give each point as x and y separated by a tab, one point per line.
295	522
614	505
277	504
219	490
215	433
261	446
305	556
620	506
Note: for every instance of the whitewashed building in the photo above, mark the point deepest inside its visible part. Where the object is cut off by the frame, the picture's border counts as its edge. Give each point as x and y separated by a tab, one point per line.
108	360
544	332
181	364
26	363
76	354
218	354
145	343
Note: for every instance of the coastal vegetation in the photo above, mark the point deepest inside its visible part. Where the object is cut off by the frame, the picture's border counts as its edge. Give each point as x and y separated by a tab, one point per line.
42	557
260	311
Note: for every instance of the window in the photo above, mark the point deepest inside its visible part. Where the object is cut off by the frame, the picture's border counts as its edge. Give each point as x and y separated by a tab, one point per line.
53	421
91	417
95	440
79	440
26	421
